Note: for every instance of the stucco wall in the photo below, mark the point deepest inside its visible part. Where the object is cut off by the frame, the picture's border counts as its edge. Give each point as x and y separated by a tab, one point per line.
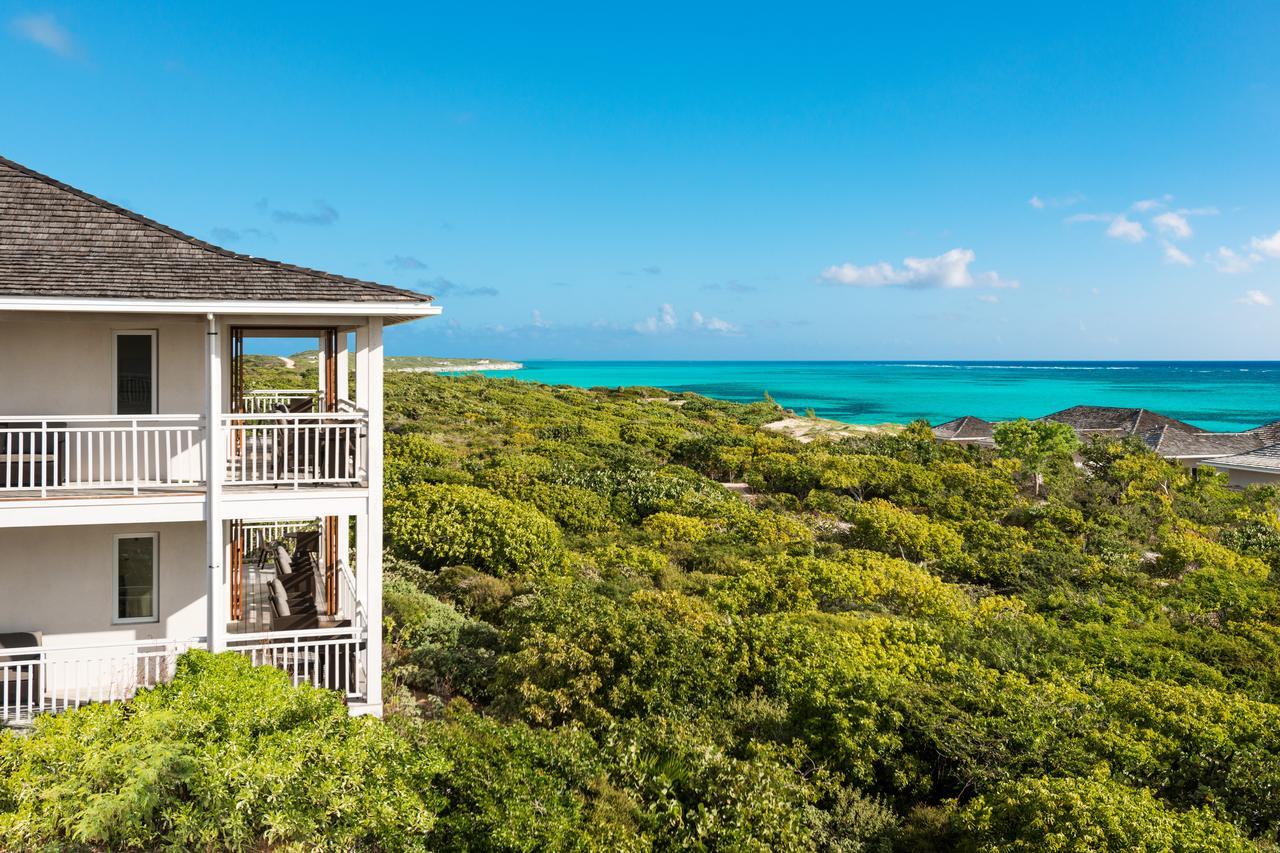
59	580
65	367
1251	478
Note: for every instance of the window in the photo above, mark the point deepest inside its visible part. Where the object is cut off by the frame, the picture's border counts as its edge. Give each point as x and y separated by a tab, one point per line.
136	577
134	358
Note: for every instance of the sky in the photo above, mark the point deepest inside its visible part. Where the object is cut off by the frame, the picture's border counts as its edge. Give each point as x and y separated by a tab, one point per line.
701	181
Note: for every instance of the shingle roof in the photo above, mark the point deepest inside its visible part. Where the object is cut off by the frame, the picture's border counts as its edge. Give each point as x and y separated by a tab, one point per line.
1263	457
1173	443
1088	419
967	428
60	242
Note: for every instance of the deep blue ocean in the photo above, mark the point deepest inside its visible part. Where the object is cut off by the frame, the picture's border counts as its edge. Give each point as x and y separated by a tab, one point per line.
1214	395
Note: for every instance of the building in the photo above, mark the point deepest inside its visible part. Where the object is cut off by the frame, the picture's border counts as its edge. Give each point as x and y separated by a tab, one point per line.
1254	467
150	502
967	430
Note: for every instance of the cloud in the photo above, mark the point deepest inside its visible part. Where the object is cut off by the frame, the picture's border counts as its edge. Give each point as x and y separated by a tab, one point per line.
322	213
948	270
1174	255
444	287
45	31
406	262
1123	228
1269	246
651	270
1255	297
227	236
1148	204
1174	224
666	321
1229	261
714	324
731	286
1040	203
988	297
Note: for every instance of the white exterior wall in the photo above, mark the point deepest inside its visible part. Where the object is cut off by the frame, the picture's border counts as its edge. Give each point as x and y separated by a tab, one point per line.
59	580
1240	479
64	367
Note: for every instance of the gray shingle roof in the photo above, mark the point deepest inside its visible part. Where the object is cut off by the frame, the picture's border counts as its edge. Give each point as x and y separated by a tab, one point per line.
60	242
1122	421
1173	443
1263	457
967	428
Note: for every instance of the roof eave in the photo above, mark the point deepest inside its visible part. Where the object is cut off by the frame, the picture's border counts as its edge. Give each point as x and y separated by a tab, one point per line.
400	310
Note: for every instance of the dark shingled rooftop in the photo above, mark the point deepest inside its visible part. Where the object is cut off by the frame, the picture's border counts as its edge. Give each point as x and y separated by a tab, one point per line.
967	428
1087	419
59	242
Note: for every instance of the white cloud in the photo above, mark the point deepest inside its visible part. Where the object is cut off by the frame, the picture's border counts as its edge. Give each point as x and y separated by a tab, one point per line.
1148	204
988	297
1124	228
948	270
1229	261
1255	297
1040	203
666	321
1269	246
1174	255
714	324
1174	224
1119	226
45	31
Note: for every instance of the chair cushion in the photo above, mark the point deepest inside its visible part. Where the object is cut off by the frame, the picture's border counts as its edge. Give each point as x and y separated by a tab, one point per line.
283	560
279	598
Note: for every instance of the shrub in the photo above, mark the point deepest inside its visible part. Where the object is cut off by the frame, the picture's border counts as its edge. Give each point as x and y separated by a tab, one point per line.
450	524
1090	815
881	526
227	756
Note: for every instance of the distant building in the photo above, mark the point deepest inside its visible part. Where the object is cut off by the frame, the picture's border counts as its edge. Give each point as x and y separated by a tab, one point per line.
967	430
1259	466
1249	456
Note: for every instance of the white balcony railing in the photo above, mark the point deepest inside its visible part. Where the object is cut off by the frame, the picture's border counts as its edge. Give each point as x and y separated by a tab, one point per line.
58	454
39	679
71	453
296	449
269	399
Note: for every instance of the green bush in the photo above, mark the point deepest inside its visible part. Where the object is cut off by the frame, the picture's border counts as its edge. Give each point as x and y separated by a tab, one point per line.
1089	816
226	757
451	524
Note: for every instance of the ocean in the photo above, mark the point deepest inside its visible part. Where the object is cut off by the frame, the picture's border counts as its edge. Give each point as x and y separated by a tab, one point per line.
1214	395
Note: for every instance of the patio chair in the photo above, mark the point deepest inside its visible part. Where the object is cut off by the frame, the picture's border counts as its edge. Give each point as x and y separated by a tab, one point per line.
20	673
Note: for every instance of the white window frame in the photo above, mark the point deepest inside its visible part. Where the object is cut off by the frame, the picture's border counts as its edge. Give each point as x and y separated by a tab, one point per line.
116	618
155	367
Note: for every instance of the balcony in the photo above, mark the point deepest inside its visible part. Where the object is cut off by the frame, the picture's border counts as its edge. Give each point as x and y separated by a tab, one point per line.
118	455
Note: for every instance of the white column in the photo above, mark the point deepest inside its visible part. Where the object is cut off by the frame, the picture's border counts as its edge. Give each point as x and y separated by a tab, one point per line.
344	375
215	468
369	525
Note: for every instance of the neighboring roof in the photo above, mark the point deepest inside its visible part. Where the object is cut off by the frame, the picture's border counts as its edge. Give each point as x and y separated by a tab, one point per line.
967	428
1173	443
59	242
1268	433
1264	458
1087	419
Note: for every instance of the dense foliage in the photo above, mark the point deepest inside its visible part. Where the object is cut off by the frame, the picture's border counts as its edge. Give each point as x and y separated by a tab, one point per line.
884	643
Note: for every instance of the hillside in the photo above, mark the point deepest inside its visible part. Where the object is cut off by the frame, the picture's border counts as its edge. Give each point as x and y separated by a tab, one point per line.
893	645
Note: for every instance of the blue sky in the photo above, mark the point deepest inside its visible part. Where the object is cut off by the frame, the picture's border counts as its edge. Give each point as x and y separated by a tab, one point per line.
701	181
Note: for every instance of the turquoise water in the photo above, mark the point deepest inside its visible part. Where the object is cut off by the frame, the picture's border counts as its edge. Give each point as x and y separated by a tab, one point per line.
1213	395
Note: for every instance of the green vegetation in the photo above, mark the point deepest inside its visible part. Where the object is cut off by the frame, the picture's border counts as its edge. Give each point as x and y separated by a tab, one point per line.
889	644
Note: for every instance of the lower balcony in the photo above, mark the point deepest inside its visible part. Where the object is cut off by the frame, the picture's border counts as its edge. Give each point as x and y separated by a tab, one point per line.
121	455
95	613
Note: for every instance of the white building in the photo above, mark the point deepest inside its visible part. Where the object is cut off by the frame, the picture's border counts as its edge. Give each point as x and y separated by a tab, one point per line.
149	502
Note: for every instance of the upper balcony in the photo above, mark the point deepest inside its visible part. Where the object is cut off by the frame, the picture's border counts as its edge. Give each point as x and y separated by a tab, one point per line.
43	456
